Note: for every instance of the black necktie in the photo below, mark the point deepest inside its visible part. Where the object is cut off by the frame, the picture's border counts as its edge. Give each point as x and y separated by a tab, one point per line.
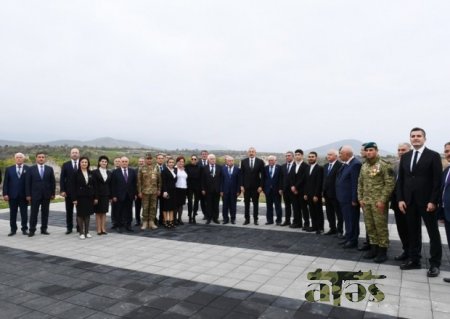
416	153
75	167
19	167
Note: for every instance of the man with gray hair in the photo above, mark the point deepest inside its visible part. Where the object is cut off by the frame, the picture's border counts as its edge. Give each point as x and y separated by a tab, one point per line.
329	194
230	189
14	193
211	178
272	184
67	171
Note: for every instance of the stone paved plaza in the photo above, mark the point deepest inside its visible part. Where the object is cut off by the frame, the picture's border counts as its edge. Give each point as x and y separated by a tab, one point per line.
201	271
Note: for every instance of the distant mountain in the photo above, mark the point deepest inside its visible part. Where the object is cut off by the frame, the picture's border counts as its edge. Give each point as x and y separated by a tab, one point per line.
98	142
355	144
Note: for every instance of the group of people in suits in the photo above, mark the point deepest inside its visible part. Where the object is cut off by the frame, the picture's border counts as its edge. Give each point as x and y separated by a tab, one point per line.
421	192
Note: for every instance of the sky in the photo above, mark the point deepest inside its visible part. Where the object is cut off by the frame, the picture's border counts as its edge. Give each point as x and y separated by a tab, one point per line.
231	74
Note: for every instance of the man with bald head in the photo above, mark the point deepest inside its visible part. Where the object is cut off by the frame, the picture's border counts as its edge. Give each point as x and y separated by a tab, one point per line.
14	193
124	191
67	171
347	195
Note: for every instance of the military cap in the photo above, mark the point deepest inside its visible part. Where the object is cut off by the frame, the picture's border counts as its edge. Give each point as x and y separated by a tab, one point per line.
370	145
148	155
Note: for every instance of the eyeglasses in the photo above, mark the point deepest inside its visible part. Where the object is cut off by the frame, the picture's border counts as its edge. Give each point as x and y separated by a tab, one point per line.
193	159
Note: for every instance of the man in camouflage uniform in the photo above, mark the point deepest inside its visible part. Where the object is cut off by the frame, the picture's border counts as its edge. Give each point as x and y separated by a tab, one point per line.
149	188
375	185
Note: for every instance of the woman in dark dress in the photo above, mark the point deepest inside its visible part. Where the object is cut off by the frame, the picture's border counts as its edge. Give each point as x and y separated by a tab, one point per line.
194	191
102	178
169	202
83	196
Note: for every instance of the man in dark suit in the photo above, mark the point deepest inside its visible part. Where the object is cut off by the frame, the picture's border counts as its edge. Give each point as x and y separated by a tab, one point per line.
418	193
329	194
67	171
347	195
124	190
313	193
400	218
298	177
40	187
285	188
211	179
203	163
14	193
252	172
193	170
114	211
272	176
445	202
230	189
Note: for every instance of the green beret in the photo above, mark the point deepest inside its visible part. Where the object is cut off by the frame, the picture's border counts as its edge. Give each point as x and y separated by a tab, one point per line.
370	145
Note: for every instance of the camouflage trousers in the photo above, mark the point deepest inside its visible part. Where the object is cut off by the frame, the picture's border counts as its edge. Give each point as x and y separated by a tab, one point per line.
149	207
376	224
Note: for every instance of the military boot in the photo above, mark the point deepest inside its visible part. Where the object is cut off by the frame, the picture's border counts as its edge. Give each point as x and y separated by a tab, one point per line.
372	253
381	256
152	225
144	225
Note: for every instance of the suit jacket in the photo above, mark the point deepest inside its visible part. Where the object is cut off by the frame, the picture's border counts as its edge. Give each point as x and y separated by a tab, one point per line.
168	182
210	183
329	180
194	176
272	183
40	188
347	182
314	182
423	185
230	184
445	196
65	178
124	189
252	178
102	187
285	181
79	187
13	186
298	179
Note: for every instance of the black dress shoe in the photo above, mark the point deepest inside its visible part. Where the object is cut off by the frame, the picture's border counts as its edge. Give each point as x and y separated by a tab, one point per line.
310	229
44	232
350	245
208	221
343	242
410	265
31	234
318	232
11	233
216	221
255	222
233	222
104	233
68	232
278	224
137	224
340	236
269	223
330	232
364	247
294	226
401	257
447	280
24	232
285	224
433	271
246	222
130	230
225	222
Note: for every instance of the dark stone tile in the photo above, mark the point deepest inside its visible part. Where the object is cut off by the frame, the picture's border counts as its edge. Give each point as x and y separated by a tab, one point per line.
162	303
144	313
58	308
317	309
201	298
39	303
102	315
141	297
36	315
262	298
121	309
341	312
240	315
238	294
287	303
209	313
22	297
176	293
214	289
224	303
250	308
110	292
185	308
137	286
171	315
9	310
55	290
77	313
91	301
278	313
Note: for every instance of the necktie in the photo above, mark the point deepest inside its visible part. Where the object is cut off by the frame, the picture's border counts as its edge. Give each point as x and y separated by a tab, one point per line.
330	167
75	167
288	167
229	170
414	163
251	163
125	174
161	168
41	171
447	180
19	171
271	171
212	170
